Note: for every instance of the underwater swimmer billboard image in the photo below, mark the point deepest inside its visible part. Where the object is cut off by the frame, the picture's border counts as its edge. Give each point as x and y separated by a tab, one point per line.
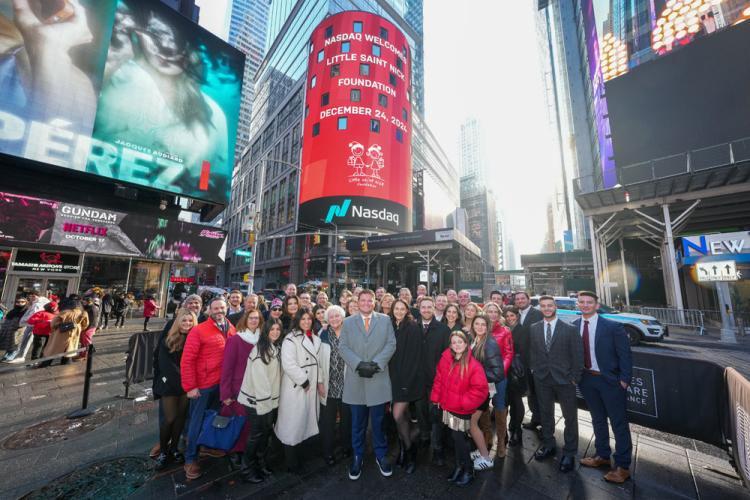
129	90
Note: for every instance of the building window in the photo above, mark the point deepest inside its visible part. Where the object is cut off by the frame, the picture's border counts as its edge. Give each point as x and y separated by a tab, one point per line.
383	33
399	63
313	81
355	95
383	100
392	79
364	69
357	26
376	50
345	47
316	129
307	111
399	135
375	125
324	99
329	32
343	120
321	54
335	70
404	115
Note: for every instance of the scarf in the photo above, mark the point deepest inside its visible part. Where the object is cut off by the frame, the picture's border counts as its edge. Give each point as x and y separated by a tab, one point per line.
249	336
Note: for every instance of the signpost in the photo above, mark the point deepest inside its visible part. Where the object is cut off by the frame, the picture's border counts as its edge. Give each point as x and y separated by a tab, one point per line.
723	270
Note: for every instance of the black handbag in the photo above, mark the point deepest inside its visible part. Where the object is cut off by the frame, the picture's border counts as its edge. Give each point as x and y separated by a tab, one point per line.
66	326
517	376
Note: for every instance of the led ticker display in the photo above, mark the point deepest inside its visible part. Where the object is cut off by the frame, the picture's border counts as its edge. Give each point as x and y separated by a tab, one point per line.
356	154
125	89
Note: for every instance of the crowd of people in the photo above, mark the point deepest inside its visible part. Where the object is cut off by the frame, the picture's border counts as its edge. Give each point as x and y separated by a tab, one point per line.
431	372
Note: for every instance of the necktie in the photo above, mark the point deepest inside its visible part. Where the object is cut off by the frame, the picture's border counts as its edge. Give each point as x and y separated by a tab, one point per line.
586	345
548	336
367	324
425	326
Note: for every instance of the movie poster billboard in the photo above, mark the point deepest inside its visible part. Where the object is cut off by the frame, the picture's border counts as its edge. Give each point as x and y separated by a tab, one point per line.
129	90
356	152
107	232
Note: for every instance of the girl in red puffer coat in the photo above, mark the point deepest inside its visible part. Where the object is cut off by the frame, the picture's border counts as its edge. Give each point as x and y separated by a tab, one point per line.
460	387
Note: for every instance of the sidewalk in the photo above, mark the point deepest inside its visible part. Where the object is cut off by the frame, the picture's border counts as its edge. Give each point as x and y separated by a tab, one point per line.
664	467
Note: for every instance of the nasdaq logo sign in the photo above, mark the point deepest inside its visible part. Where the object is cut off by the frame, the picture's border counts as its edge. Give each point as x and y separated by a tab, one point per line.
338	210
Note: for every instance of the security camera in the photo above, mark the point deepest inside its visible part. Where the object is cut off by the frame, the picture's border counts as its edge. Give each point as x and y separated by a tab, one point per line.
163	204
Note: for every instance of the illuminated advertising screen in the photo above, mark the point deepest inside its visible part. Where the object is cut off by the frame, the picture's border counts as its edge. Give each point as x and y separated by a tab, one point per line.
125	89
356	152
102	231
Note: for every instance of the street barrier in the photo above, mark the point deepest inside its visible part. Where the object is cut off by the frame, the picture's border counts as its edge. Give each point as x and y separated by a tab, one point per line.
139	364
688	318
738	394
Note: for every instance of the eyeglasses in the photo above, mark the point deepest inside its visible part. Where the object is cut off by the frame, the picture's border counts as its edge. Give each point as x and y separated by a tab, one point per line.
275	309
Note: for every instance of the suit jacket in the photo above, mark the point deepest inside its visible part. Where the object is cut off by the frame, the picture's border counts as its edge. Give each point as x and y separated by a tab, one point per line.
521	334
356	346
563	363
612	347
434	343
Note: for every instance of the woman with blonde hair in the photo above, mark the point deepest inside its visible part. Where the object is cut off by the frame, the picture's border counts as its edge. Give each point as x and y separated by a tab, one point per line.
386	303
471	311
168	386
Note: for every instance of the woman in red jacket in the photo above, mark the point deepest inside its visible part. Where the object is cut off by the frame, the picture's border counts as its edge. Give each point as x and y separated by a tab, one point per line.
460	387
41	328
504	339
150	306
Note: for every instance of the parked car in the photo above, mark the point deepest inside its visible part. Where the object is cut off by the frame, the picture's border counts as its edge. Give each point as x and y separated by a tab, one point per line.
273	293
639	327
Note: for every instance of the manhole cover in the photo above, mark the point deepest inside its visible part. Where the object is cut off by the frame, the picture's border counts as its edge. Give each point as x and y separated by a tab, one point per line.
54	431
117	478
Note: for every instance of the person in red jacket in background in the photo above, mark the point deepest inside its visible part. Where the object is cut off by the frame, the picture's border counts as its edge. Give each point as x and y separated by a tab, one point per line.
504	339
460	387
150	306
40	323
200	369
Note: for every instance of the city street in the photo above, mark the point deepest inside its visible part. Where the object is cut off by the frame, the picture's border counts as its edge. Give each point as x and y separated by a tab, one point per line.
665	466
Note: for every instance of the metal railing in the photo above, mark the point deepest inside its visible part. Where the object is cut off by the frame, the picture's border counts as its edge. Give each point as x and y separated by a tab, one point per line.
688	318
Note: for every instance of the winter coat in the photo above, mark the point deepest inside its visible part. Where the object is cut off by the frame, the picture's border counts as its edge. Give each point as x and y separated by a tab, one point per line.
457	393
504	339
32	309
261	383
94	312
107	303
167	379
203	355
434	343
60	342
492	361
10	328
302	366
121	305
407	381
40	323
149	308
236	354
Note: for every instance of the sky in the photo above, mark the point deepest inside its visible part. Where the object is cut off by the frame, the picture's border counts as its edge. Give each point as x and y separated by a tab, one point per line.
481	60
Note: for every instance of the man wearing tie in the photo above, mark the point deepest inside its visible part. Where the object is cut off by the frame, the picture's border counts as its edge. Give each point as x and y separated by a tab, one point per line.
608	368
556	356
367	345
527	317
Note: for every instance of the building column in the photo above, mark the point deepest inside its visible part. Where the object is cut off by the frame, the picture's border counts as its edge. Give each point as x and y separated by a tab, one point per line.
674	277
595	257
727	312
625	285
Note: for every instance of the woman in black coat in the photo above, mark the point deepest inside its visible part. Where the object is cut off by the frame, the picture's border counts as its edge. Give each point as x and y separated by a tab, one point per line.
168	386
406	377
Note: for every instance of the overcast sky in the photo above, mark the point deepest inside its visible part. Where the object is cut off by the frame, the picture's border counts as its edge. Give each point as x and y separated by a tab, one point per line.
481	60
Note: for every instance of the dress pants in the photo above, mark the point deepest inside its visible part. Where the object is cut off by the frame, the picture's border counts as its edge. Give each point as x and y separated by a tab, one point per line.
516	409
532	399
430	422
209	399
547	391
376	414
607	400
327	425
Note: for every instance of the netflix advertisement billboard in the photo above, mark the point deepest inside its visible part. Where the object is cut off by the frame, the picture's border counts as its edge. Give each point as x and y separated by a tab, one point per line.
356	153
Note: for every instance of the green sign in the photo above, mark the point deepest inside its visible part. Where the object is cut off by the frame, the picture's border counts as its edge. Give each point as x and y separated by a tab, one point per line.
244	253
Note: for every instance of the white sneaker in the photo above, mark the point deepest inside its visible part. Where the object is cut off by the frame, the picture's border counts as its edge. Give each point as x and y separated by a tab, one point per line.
474	455
481	463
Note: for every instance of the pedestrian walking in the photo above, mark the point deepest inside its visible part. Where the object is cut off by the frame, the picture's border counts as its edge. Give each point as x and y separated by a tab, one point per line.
407	383
120	309
11	329
41	323
36	303
608	368
460	387
150	306
334	408
66	329
108	303
302	386
233	367
367	345
556	353
259	394
93	310
200	368
167	387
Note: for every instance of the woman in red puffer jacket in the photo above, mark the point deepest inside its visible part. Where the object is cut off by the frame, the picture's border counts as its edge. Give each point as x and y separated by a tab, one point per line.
460	387
504	339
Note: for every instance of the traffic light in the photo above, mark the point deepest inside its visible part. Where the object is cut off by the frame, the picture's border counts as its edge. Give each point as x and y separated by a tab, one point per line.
316	239
364	246
251	238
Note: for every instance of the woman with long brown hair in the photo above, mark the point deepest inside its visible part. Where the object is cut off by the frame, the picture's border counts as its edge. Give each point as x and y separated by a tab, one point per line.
452	317
168	386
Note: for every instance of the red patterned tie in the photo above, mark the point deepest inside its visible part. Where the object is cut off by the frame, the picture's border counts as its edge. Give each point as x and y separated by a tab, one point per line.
586	346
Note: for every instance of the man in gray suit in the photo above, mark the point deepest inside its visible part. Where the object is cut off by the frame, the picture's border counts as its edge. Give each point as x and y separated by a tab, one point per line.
367	344
557	364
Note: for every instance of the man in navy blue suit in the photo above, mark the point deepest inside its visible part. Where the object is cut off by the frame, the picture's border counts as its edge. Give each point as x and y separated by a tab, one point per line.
608	368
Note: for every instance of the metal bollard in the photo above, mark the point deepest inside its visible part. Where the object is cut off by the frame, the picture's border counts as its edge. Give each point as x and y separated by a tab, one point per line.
85	411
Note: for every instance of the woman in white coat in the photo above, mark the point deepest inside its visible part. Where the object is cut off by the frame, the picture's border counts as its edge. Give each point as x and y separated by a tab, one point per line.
303	386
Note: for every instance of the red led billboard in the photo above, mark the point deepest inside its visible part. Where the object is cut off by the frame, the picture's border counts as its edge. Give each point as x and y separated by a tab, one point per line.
356	153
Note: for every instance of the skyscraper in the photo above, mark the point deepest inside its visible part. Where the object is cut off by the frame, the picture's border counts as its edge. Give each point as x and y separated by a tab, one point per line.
185	7
472	155
248	24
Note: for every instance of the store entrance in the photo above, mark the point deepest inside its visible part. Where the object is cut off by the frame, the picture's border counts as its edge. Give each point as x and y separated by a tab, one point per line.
44	285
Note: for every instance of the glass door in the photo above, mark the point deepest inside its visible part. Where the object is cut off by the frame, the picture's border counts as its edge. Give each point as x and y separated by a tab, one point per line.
57	287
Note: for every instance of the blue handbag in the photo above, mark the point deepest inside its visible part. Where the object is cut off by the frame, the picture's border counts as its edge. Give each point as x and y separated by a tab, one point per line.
219	432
